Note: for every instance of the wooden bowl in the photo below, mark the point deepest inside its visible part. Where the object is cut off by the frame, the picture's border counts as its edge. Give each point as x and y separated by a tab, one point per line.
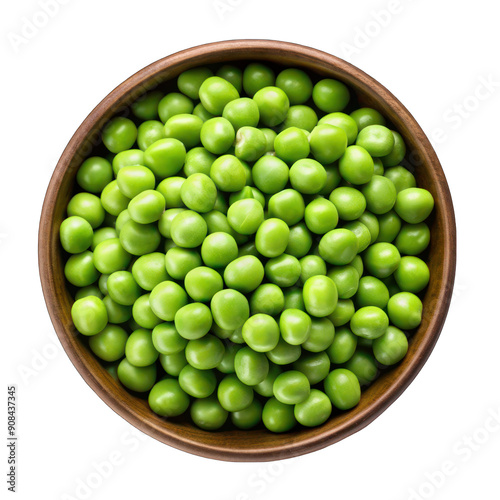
254	445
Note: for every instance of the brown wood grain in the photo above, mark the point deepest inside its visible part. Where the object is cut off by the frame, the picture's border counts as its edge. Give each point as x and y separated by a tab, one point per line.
254	445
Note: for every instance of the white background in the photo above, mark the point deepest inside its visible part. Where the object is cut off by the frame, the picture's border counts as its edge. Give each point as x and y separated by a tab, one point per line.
435	57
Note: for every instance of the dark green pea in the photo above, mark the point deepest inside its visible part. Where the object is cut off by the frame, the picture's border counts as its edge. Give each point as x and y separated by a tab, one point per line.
391	347
413	239
389	224
315	410
109	343
233	394
119	134
372	292
249	417
208	414
256	76
405	310
361	232
311	265
299	241
343	346
371	222
367	116
315	366
395	157
94	174
284	353
294	299
321	335
364	366
174	363
146	107
227	363
232	74
200	111
330	95
173	104
343	121
343	312
277	416
87	291
291	387
300	116
117	313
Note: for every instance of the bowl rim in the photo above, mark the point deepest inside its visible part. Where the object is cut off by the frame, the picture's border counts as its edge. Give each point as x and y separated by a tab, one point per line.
243	50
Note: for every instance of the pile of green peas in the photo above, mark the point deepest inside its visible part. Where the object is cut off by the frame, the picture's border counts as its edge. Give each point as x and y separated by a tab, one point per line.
247	249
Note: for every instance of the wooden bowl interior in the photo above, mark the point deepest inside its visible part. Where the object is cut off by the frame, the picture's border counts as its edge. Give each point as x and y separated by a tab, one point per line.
255	444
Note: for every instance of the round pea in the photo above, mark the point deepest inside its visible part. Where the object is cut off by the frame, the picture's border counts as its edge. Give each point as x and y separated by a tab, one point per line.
166	339
139	349
149	132
267	299
217	135
228	173
414	205
188	229
202	283
291	145
230	309
233	394
378	140
205	353
395	157
405	310
278	417
295	326
380	194
320	296
242	112
321	335
139	239
119	134
271	239
343	312
110	256
109	343
363	365
149	270
307	176
251	367
283	271
349	202
133	180
328	143
300	116
391	347
174	363
343	121
284	353
198	161
166	299
249	417
299	241
232	74
94	174
356	165
381	259
273	105
208	414
89	315
321	216
372	292
346	279
87	206
167	399
413	239
136	378
296	84
190	81
330	95
369	322
215	93
287	205
367	116
401	178
261	332
250	144
218	250
165	157
338	246
197	383
245	216
343	346
244	274
343	389
291	387
76	234
315	410
257	76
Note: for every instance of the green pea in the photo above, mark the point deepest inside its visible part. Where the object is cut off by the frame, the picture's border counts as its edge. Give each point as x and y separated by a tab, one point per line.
372	292
300	116
199	193
76	234
102	234
291	145
365	117
149	270
109	256
343	121
167	399
136	378
139	349
234	395
401	178
242	112
171	188
257	76
202	283
146	107
250	143
109	343
174	363
378	140
119	134
343	346
328	143
361	232
190	81
215	93
311	265
149	132
143	313
245	216
205	353
296	84
197	383
405	310
232	74
307	176
299	241
122	288
382	259
356	165
227	363
185	128
87	206
244	274
251	367
391	285
166	299
284	353
249	417
112	199
208	414
230	309
283	271
139	239
321	335
147	206
364	366
166	339
346	279
291	387
343	312
218	250
343	389
198	161
261	332
330	95
165	157
87	291
315	410
173	104
267	299
380	194
391	347
349	202
188	229
193	321
200	111
271	238
369	322
117	313
320	296
94	174
217	135
133	180
295	326
128	158
315	366
338	247
321	216
378	168
278	417
273	105
395	157
389	224
228	173
89	315
371	222
413	239
414	205
165	222
287	205
270	138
